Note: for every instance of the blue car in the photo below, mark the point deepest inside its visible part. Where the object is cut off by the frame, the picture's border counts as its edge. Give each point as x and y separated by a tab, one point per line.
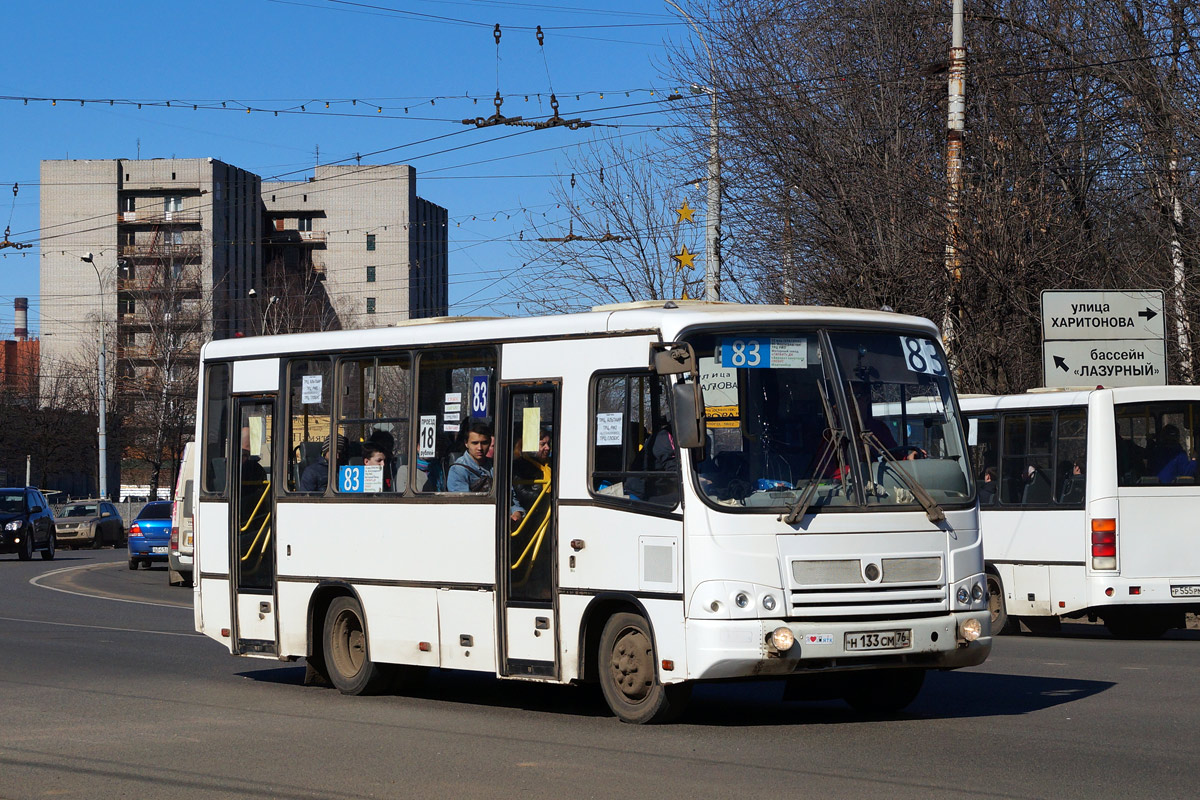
150	534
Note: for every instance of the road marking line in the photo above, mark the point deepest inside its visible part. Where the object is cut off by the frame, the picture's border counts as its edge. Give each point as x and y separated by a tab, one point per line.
36	581
94	627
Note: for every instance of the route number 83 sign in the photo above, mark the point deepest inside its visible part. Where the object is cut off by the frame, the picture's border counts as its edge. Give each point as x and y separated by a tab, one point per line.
921	355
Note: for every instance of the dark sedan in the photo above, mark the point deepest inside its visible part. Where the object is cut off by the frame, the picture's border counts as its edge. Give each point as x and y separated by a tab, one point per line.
26	523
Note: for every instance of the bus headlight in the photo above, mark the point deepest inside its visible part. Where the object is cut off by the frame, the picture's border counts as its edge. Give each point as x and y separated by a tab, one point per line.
970	629
964	596
782	639
741	599
977	593
768	602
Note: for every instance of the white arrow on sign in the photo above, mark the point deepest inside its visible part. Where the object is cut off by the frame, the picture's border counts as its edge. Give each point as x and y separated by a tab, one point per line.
1101	315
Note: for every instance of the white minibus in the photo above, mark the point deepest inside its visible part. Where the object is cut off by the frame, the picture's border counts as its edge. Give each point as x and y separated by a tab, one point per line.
642	496
1090	505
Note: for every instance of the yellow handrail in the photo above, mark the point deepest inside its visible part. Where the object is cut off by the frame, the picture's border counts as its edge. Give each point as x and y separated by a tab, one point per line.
263	528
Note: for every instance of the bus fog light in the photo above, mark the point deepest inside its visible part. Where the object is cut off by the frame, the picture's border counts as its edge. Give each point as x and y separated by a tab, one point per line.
970	629
714	606
741	599
768	602
977	593
783	639
964	596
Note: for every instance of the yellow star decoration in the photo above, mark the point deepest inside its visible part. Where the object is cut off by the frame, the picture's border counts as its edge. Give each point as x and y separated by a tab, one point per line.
685	213
685	259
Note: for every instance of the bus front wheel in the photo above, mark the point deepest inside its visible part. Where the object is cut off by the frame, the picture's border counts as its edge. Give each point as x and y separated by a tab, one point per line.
346	657
628	674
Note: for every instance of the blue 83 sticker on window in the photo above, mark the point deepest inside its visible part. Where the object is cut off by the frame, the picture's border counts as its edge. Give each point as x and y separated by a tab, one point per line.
763	352
350	479
921	355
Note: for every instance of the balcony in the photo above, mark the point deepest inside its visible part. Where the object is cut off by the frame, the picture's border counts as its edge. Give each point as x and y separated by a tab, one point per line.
162	250
159	217
297	237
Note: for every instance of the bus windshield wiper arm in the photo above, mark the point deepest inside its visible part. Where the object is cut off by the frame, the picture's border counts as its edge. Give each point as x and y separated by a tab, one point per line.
932	509
836	436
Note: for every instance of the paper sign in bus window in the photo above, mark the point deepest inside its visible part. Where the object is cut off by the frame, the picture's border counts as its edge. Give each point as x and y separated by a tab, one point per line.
310	388
427	437
608	428
531	426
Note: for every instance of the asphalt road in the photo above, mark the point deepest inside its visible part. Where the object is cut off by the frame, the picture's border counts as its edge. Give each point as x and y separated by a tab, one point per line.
106	692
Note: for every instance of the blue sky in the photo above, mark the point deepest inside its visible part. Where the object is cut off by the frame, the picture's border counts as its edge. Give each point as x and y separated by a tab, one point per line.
438	60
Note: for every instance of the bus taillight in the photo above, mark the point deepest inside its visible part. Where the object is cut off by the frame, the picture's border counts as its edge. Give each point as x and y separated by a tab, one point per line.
1104	543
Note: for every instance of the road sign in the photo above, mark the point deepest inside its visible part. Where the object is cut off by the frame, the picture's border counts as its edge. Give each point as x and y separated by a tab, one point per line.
1132	362
1101	315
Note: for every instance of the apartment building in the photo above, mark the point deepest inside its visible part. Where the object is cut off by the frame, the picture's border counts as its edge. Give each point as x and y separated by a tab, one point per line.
375	251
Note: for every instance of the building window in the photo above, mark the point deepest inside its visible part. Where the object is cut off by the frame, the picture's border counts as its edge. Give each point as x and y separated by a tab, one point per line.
175	238
125	270
370	241
370	274
370	305
128	203
304	224
126	304
173	203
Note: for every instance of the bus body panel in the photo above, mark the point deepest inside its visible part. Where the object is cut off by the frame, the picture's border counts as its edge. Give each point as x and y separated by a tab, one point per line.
432	542
610	556
1167	520
211	559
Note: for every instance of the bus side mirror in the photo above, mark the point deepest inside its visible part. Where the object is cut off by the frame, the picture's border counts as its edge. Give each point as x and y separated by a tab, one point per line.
672	358
688	414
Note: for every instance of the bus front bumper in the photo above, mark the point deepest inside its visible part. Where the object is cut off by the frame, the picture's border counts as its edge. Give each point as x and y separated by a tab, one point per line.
740	648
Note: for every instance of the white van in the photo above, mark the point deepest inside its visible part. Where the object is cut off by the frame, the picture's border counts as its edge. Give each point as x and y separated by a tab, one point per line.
179	569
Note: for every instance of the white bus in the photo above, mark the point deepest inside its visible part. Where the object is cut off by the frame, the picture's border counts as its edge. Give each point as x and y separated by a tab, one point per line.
634	530
1090	506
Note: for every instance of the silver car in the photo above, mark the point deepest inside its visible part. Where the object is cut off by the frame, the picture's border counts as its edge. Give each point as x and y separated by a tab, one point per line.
93	523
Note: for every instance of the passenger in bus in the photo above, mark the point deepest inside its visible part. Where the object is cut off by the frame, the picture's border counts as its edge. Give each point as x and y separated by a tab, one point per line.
987	489
472	471
1168	460
659	454
316	475
374	456
395	478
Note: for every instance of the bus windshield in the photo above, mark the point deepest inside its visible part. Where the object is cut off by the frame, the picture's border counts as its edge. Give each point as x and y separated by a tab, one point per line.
864	429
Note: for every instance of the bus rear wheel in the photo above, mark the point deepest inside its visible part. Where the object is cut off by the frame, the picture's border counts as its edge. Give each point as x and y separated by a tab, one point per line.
884	691
628	676
345	653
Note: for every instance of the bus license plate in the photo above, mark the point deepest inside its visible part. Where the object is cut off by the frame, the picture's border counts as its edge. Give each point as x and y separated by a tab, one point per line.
158	549
1191	590
879	640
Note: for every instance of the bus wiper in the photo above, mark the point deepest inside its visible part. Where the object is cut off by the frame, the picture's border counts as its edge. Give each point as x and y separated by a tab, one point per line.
932	509
835	436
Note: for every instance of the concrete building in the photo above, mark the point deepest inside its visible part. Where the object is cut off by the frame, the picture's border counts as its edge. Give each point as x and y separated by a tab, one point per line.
379	250
171	241
176	240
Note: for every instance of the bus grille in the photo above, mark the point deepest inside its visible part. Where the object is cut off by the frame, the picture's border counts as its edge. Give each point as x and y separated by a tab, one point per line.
837	588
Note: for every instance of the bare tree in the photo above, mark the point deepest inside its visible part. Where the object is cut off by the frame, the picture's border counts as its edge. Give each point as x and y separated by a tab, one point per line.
614	234
295	299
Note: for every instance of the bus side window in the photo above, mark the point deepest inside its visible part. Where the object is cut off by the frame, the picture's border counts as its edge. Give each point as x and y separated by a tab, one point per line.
633	455
454	389
985	456
1071	453
217	408
375	396
310	394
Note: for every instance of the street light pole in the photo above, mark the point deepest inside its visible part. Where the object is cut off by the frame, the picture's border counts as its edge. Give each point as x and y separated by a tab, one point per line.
102	429
712	217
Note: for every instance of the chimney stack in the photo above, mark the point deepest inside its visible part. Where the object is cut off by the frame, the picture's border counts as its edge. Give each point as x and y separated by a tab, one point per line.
21	309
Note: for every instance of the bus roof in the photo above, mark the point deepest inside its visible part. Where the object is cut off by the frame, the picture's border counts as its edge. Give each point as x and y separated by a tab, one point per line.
667	318
1075	397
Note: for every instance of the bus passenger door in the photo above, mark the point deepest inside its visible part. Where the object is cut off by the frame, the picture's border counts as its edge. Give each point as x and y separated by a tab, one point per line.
526	470
252	528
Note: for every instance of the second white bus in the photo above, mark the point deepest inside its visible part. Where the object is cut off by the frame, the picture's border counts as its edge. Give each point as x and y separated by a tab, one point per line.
1090	506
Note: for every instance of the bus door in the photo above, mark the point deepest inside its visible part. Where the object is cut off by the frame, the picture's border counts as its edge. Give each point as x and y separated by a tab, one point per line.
252	527
526	492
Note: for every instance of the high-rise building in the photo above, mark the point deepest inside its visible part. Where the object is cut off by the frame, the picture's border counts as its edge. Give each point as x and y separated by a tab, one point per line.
163	253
